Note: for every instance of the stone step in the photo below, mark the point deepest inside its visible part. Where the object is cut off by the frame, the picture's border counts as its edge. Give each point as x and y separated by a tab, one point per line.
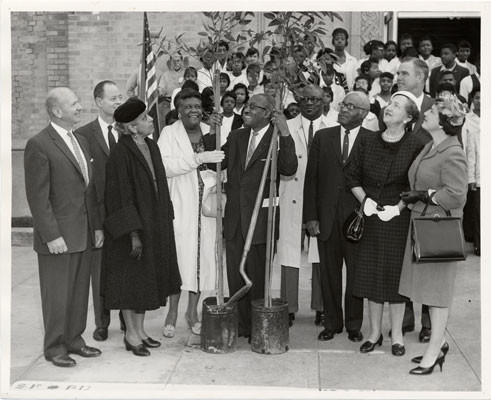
21	237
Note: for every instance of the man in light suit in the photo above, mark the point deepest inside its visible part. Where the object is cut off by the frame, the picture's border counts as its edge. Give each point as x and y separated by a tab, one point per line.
327	204
302	129
101	136
61	195
246	150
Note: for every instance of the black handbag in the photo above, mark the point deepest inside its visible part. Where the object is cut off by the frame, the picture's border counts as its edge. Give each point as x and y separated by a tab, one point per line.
353	226
437	238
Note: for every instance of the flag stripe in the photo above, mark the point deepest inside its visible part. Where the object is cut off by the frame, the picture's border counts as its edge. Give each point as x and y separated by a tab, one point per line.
151	89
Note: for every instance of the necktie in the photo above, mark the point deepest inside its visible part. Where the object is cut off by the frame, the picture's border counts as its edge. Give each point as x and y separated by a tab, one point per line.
252	147
78	156
345	146
110	137
311	136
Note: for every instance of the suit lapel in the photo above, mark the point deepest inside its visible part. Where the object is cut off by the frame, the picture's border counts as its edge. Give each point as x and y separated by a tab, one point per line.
425	106
336	143
243	146
60	143
99	137
350	157
300	131
262	146
86	155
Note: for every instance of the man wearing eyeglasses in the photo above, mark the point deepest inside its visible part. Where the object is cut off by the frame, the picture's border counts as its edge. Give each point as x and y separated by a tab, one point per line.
327	204
302	128
245	156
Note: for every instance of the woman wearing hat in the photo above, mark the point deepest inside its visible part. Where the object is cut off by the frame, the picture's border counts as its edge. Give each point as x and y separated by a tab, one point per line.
379	173
140	263
438	178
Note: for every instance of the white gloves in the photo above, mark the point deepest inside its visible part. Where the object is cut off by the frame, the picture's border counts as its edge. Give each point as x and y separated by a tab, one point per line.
388	213
210	156
370	207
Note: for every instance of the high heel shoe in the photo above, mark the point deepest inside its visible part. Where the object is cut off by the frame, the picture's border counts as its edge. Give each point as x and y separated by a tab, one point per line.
398	349
138	350
368	346
196	328
444	350
426	371
151	343
169	330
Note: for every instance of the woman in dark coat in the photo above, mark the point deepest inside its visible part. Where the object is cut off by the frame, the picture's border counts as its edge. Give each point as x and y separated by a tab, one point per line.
379	171
440	170
140	262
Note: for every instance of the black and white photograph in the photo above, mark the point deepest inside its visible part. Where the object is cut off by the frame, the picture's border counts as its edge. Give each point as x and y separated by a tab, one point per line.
223	201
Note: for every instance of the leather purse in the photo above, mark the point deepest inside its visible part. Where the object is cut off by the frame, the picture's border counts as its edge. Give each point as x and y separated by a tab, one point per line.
354	224
437	238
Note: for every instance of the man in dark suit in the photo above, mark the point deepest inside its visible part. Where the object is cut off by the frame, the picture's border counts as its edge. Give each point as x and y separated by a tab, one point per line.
245	156
327	204
448	54
61	195
101	136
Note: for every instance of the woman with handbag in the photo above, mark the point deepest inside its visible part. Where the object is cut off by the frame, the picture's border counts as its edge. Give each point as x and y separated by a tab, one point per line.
376	176
438	178
184	146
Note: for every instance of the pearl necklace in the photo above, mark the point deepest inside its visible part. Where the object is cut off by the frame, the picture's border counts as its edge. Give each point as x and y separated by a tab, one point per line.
392	139
137	142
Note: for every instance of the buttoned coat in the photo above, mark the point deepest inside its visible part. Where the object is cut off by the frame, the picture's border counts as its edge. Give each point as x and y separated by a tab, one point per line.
182	176
443	169
60	201
243	182
292	198
99	151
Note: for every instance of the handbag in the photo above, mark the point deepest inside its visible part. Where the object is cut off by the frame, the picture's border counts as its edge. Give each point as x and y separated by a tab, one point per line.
437	238
353	225
209	204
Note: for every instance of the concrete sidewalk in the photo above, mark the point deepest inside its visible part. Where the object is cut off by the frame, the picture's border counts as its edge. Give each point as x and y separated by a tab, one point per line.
308	369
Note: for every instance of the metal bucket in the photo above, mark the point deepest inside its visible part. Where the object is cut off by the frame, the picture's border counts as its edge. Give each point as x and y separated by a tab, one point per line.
270	330
219	327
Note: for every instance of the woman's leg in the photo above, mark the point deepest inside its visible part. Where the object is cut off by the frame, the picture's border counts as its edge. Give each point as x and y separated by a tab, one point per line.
375	312
396	311
192	311
172	313
439	318
139	319
131	335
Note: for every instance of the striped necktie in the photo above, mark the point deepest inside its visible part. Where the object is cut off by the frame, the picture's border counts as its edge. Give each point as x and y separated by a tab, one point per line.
78	156
252	147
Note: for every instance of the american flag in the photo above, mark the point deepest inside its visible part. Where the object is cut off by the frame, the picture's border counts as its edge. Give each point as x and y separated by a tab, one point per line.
148	92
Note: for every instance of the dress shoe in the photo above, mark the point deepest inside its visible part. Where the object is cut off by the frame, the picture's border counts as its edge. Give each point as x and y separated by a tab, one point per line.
319	318
355	336
122	323
444	350
86	351
424	335
100	334
169	331
291	318
150	343
327	334
405	329
428	370
368	346
138	350
398	349
195	328
61	360
477	251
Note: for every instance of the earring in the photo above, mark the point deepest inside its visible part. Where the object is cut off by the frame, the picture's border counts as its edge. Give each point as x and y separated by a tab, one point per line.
179	116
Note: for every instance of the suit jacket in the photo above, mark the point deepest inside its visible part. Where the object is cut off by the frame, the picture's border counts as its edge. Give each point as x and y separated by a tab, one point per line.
443	169
243	183
459	72
325	184
61	204
99	151
418	130
237	122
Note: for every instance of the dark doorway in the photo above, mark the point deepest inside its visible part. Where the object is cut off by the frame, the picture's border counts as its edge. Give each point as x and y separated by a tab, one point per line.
444	30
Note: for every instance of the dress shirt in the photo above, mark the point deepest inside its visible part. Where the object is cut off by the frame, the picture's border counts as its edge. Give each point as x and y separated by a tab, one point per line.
471	67
226	128
242	78
64	135
353	133
466	86
317	124
171	80
104	127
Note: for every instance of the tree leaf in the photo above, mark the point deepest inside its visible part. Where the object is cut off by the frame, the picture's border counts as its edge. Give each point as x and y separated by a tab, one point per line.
269	16
266	50
245	21
229	37
203	33
274	22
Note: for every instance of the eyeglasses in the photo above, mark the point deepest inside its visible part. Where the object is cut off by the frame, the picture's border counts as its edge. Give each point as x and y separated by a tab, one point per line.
313	100
253	106
350	106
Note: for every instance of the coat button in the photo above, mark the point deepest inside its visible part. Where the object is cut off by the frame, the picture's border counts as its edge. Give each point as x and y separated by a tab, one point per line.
296	179
299	156
294	201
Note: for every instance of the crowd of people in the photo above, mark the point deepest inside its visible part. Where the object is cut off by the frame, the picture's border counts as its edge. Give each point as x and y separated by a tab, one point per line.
394	133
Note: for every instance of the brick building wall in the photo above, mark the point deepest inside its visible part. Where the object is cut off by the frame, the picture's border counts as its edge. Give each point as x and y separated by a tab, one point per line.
79	49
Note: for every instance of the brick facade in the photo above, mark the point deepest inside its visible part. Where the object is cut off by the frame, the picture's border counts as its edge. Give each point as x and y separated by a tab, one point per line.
79	49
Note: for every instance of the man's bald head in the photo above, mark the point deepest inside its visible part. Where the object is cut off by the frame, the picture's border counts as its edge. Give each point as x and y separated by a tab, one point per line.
63	107
353	110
